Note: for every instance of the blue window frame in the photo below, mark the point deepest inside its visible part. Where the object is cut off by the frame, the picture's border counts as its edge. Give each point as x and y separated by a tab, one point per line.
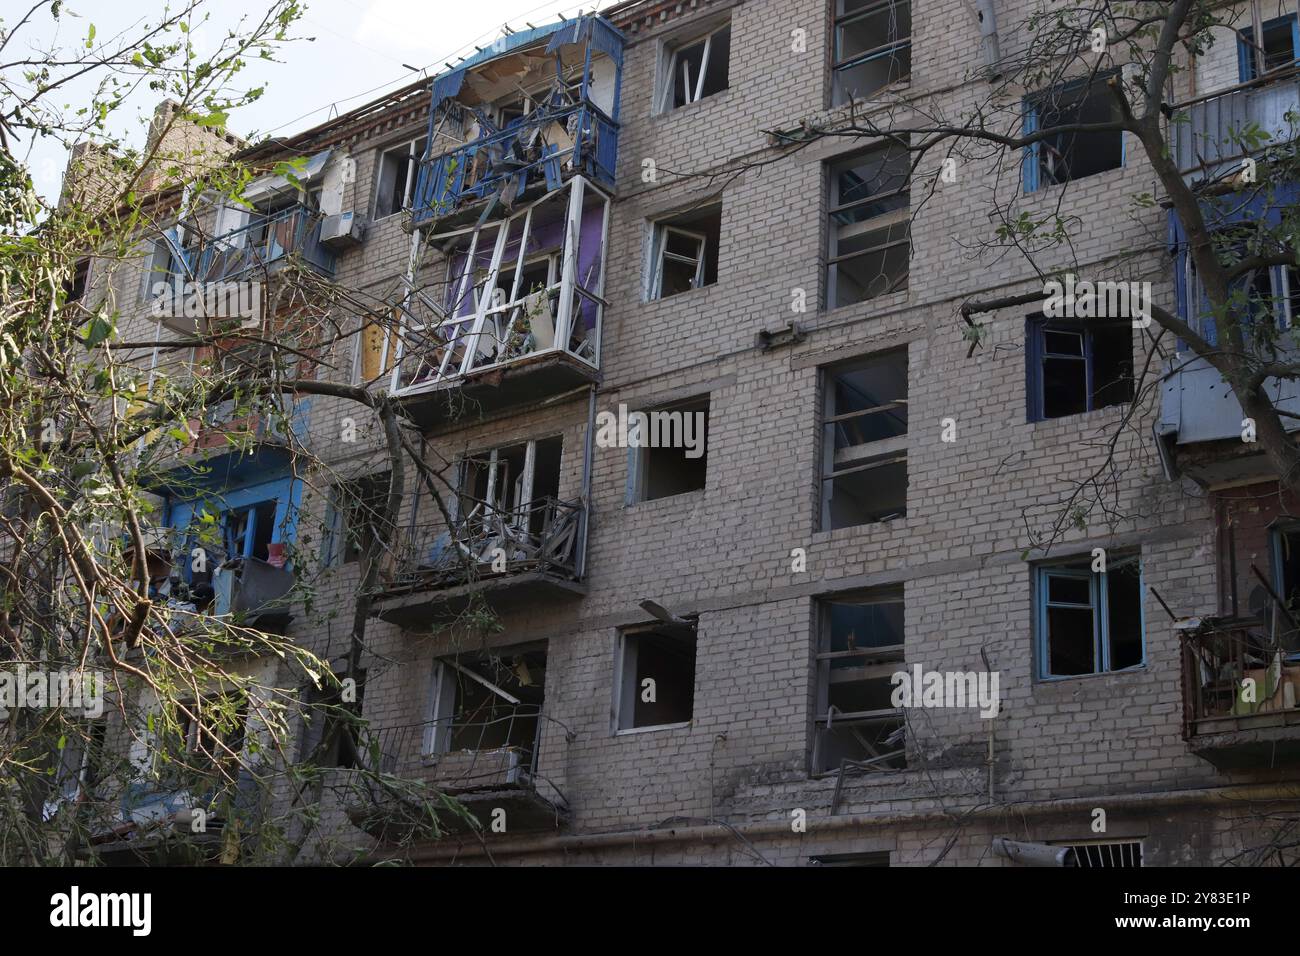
1072	366
1089	622
1281	47
1067	156
247	519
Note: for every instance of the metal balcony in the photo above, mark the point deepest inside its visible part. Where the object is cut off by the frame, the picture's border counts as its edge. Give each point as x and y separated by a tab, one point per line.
1210	135
525	554
566	123
520	313
267	243
486	765
1224	723
1200	427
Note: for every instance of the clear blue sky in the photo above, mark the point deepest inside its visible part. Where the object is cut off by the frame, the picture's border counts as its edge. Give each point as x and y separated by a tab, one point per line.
360	49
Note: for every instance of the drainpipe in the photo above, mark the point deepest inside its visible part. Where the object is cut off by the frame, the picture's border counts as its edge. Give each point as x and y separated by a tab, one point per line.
587	454
986	13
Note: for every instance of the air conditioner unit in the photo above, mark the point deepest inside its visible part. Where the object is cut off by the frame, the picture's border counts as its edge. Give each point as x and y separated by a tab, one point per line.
342	231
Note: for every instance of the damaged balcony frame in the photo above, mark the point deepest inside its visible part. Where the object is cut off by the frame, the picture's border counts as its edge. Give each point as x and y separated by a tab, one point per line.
563	133
511	537
509	330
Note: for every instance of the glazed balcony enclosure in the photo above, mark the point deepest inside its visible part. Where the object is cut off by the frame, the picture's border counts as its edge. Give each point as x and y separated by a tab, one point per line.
524	114
514	191
519	315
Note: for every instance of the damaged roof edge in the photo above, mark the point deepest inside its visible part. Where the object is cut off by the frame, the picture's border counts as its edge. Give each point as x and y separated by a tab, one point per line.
604	36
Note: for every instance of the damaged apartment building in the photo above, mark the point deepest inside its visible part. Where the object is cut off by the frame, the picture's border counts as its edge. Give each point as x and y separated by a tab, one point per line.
600	216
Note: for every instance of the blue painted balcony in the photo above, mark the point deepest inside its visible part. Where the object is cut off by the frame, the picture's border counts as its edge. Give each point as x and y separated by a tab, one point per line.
267	243
521	118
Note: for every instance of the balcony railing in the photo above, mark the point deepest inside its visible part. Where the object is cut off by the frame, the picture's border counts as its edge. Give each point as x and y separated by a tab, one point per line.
1213	133
1238	680
498	312
264	244
488	764
539	537
463	754
582	141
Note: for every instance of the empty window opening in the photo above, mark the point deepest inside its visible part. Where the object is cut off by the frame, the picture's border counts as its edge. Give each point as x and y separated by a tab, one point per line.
332	728
488	702
656	686
1286	577
75	288
358	508
685	252
697	68
873	46
1281	47
1077	367
397	171
868	244
518	483
859	648
207	741
1089	622
248	531
864	442
671	456
1068	155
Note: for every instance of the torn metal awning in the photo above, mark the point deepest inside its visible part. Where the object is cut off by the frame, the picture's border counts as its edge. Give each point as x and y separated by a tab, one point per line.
265	186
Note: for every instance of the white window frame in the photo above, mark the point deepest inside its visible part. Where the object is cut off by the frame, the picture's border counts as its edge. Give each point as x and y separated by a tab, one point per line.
625	687
661	233
413	157
672	56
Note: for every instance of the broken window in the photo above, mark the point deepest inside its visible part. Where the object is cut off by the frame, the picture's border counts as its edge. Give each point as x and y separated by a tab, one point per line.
656	676
207	738
332	724
517	484
356	508
873	46
1281	47
1089	622
685	252
669	452
160	267
697	68
80	764
397	170
860	647
1068	155
864	441
488	702
248	531
1076	367
1286	579
868	245
75	288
